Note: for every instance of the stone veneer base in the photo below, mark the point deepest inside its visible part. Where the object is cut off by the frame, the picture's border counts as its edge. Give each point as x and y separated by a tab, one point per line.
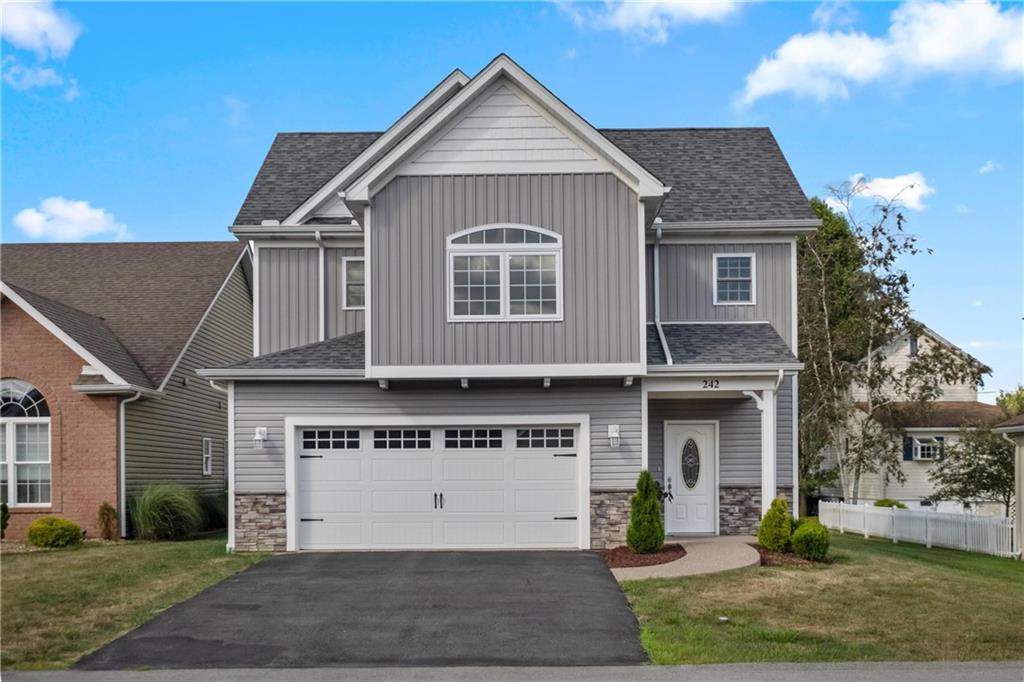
739	509
609	517
260	523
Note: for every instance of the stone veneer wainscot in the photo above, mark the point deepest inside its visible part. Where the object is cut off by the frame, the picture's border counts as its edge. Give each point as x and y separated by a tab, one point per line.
260	523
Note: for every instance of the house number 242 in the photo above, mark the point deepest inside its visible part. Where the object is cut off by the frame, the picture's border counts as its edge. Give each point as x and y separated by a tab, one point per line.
710	383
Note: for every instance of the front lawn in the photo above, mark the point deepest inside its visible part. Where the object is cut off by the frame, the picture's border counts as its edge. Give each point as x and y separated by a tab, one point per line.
877	601
60	604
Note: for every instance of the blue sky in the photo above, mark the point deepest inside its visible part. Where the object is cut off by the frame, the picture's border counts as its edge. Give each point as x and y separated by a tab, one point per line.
148	121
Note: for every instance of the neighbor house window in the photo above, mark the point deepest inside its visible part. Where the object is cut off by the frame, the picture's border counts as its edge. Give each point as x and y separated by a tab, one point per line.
928	449
207	457
504	272
734	279
354	283
24	444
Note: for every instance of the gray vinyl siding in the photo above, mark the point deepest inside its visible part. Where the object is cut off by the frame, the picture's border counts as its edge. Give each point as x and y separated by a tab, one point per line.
289	307
338	321
739	438
687	273
164	436
267	404
595	214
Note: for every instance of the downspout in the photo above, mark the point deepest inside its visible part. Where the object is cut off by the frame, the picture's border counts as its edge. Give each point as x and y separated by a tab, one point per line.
121	477
657	298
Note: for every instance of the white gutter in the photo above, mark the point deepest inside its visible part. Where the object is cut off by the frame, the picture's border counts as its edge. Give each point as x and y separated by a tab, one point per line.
657	298
122	485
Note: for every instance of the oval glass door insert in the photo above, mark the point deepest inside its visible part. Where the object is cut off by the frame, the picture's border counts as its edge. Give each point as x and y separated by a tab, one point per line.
690	463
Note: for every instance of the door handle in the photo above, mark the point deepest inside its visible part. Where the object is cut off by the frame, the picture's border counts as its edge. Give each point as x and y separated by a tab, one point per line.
442	500
670	484
435	500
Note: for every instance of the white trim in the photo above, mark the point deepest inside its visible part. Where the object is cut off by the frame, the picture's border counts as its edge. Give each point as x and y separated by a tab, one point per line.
207	445
753	278
292	423
10	428
793	298
288	233
344	283
115	389
705	239
769	429
367	291
110	375
230	464
718	463
321	291
740	368
122	452
501	371
775	224
255	300
645	456
229	373
199	325
414	116
795	394
713	322
642	282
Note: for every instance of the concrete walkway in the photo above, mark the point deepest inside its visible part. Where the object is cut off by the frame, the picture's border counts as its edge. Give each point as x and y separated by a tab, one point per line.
703	555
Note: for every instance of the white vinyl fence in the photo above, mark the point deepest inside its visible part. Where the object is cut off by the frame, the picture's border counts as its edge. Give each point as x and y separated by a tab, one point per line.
969	532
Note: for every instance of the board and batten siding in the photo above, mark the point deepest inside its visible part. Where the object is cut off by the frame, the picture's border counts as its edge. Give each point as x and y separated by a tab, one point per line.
338	321
267	404
596	215
687	273
739	437
289	305
164	436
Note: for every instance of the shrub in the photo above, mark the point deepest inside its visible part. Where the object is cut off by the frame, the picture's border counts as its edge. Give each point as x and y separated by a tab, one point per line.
811	541
106	519
890	503
53	531
215	510
774	531
5	516
167	511
646	532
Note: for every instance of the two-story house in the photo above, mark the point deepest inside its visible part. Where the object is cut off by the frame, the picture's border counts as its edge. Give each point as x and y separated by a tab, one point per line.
475	329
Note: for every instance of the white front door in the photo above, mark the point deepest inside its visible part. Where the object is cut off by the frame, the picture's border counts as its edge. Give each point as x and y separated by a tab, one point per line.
691	465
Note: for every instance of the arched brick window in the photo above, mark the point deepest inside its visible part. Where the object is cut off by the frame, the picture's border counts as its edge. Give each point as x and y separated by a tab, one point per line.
24	445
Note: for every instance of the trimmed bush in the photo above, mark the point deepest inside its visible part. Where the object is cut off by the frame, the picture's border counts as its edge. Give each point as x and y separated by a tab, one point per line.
106	519
167	511
53	531
215	510
5	516
811	541
646	532
774	532
890	503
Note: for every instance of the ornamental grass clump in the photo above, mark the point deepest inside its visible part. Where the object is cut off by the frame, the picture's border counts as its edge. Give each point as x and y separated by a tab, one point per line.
646	531
167	511
774	532
54	532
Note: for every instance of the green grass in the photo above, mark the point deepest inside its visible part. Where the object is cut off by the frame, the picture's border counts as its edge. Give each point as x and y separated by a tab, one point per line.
877	601
59	605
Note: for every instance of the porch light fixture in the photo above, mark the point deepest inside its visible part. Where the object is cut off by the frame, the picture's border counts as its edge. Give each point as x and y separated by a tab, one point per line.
613	435
259	437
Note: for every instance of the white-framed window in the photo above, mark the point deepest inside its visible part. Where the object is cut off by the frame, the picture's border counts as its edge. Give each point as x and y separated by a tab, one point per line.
25	466
473	439
928	449
735	279
545	438
401	439
504	273
330	439
207	457
353	282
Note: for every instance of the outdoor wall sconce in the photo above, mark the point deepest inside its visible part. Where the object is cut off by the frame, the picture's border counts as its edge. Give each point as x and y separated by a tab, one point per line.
259	437
613	435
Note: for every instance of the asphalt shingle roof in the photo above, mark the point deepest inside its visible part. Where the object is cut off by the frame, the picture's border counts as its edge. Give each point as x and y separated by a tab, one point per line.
715	344
132	305
341	352
715	173
1012	423
939	414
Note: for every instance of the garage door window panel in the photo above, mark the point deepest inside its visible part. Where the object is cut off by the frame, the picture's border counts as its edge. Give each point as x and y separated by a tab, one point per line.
401	439
457	439
330	439
545	438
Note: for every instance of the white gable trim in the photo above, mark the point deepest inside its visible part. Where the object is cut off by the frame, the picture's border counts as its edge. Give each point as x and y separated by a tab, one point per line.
110	375
412	118
628	170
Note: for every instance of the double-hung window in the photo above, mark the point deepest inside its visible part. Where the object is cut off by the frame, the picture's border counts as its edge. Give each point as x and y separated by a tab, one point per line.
25	467
207	457
353	275
734	279
928	449
504	273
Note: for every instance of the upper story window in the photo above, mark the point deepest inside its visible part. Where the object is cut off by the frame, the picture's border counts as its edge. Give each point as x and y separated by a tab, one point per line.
353	283
734	279
504	272
928	449
24	445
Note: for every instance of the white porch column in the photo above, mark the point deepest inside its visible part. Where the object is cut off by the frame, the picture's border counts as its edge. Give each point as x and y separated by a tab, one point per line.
766	403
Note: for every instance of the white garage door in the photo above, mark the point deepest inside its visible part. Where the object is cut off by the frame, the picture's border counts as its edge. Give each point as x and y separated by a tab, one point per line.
437	487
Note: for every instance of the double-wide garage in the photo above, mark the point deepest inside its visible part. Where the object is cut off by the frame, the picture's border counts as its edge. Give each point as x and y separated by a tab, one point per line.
462	485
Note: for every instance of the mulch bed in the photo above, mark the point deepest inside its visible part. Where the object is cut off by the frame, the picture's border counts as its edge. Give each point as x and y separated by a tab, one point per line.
623	557
770	558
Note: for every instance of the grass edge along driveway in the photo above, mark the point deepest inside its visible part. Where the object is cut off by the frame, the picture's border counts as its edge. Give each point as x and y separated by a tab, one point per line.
877	601
59	605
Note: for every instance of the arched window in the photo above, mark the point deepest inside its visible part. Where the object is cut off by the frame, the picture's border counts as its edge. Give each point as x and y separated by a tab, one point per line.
24	445
504	272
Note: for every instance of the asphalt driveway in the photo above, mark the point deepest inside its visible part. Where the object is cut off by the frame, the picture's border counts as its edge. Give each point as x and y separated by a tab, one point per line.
393	608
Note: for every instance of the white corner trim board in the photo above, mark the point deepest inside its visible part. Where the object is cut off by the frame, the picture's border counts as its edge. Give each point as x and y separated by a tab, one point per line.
502	371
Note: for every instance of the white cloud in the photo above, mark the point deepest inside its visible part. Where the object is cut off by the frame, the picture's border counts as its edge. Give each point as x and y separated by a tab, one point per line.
984	344
570	53
909	189
977	303
924	38
650	21
962	209
237	110
834	13
21	77
72	93
62	220
39	27
988	167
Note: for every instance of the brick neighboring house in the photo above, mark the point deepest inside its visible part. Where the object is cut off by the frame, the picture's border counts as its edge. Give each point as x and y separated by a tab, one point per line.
99	344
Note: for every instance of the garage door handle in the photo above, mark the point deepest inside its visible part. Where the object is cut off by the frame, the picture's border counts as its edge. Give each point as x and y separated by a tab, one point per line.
565	518
442	500
564	454
311	520
435	500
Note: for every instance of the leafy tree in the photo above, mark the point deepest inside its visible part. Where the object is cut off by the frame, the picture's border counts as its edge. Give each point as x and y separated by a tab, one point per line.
854	301
979	468
1012	402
